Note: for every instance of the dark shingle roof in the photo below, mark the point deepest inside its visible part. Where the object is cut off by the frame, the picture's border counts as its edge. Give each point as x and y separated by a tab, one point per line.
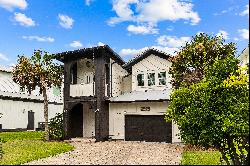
88	53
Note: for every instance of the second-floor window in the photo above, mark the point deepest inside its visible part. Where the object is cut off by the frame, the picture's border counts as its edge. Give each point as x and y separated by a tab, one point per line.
140	79
151	79
88	79
162	78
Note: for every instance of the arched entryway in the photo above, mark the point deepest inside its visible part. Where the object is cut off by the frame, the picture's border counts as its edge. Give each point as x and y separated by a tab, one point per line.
76	121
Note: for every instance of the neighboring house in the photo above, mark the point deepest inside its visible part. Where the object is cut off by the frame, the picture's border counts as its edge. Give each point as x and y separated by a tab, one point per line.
244	57
104	97
23	111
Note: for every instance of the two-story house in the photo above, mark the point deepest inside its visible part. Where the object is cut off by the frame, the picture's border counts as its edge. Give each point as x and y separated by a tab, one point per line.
104	97
21	110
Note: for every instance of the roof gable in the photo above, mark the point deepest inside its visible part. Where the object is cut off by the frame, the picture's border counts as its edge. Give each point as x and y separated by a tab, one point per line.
145	54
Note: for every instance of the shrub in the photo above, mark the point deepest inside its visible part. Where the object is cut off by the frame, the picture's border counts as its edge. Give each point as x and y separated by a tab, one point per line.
214	112
56	127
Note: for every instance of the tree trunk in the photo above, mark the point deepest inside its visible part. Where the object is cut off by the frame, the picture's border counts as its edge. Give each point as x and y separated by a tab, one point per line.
46	114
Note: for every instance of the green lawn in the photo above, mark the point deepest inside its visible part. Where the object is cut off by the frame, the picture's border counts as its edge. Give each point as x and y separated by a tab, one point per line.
22	147
201	158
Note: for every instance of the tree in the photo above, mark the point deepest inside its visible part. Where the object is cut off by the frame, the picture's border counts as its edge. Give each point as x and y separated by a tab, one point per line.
189	63
41	72
215	112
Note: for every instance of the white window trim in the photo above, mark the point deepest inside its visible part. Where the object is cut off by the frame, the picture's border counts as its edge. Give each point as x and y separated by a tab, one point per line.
144	78
156	78
158	84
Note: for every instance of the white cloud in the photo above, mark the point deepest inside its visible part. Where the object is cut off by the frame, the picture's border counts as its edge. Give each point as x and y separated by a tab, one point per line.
65	21
39	39
153	11
142	29
133	52
3	57
170	28
23	20
245	12
223	34
236	38
88	2
76	44
100	44
123	11
244	33
11	4
172	41
228	10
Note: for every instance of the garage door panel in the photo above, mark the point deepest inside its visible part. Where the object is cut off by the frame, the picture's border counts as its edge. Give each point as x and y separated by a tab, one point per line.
151	128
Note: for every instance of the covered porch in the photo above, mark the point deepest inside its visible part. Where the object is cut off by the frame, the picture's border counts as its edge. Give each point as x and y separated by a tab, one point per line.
81	121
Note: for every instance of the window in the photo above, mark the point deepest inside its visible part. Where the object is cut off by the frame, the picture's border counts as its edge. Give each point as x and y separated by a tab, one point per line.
88	64
88	79
56	91
22	89
151	79
140	79
162	78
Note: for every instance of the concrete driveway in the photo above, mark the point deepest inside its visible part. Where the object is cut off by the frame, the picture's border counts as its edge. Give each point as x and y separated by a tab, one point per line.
117	153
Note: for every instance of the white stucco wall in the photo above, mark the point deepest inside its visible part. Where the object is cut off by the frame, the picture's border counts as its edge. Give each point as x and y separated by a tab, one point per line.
15	113
117	78
117	112
151	64
127	84
83	71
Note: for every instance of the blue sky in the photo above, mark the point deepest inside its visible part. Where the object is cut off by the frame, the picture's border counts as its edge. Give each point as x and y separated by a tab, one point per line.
127	26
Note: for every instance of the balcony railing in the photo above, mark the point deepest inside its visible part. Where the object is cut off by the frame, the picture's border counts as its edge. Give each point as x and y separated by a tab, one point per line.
78	90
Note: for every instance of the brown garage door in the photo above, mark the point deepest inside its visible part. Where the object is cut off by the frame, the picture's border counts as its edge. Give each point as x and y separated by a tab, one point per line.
150	128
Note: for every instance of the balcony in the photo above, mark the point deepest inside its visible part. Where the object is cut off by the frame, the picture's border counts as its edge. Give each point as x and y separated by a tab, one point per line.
78	90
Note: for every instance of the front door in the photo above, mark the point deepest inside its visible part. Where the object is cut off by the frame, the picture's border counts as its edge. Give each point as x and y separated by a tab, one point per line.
31	120
76	121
